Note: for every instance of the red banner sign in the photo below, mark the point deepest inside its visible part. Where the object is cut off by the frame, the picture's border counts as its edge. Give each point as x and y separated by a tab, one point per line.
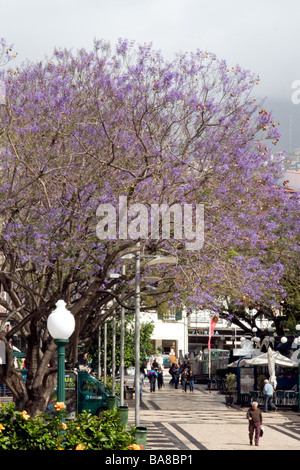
213	321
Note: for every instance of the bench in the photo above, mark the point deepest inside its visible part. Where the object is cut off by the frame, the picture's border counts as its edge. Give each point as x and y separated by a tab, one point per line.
5	400
128	392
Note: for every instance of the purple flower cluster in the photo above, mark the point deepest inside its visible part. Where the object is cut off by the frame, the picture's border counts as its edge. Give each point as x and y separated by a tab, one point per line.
82	129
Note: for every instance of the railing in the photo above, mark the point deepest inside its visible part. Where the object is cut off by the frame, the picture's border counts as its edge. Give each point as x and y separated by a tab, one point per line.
281	397
216	384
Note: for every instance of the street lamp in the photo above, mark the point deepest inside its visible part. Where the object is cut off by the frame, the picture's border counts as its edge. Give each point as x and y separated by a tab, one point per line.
255	339
157	260
116	276
298	343
137	336
61	324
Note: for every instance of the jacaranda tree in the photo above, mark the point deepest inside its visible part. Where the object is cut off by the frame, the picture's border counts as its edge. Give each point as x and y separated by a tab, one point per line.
81	132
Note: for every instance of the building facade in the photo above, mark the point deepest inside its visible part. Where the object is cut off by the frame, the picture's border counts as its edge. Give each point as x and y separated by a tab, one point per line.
184	333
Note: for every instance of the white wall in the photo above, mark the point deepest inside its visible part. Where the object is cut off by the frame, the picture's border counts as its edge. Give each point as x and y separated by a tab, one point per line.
168	330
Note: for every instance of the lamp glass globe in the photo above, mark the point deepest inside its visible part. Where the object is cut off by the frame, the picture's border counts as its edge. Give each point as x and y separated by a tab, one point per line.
61	322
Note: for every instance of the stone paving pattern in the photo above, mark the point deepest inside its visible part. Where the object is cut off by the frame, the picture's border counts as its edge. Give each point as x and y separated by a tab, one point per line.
201	421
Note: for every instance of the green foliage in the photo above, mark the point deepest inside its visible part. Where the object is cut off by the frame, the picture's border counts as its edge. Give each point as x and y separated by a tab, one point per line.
129	344
109	382
231	383
261	382
18	431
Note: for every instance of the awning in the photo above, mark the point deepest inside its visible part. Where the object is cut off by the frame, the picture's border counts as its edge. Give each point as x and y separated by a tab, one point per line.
262	360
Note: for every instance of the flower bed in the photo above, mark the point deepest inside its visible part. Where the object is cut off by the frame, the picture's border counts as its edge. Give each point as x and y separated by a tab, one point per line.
19	431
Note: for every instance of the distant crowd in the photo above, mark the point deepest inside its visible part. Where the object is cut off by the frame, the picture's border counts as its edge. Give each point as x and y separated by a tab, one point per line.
182	374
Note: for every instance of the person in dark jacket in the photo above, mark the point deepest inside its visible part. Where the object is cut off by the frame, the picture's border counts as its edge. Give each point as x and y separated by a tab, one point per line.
184	379
171	372
152	376
160	379
254	416
176	373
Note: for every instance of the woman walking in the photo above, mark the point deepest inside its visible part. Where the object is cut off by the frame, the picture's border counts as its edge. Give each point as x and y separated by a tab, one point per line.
184	379
191	380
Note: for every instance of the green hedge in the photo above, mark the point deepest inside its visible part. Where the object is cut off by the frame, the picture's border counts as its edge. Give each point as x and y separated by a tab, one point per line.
19	431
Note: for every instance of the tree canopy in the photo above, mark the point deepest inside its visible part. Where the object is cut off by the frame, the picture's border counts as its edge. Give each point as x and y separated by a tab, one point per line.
80	131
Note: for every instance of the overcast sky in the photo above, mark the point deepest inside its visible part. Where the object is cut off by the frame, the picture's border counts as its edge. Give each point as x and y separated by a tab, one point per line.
260	35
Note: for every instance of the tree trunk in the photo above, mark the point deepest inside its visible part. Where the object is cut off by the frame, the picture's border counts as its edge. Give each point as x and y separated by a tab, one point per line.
31	393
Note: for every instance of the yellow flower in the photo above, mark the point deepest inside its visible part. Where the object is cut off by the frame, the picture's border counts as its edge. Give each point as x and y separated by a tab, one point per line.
135	447
64	426
25	415
1	427
60	405
60	448
80	447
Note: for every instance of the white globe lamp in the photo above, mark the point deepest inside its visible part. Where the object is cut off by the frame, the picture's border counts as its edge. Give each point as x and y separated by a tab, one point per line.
61	324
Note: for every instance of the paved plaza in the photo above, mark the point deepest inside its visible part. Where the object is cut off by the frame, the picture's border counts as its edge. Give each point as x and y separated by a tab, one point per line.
202	421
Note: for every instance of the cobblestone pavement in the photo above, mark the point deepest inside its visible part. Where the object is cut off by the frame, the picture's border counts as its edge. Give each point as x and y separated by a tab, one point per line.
202	421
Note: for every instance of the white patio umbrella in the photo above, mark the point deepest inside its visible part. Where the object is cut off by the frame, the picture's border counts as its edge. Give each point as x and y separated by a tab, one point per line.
271	368
262	360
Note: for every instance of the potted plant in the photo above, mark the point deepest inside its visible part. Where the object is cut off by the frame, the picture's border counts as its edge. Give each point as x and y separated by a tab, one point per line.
230	380
261	382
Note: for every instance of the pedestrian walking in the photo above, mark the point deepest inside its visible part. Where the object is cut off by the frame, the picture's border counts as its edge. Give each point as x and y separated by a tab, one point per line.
172	359
152	376
184	379
171	372
254	417
148	366
142	380
160	361
160	379
268	392
191	381
176	373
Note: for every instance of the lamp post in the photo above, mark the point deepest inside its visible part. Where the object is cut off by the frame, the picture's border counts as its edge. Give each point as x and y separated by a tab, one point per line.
156	261
255	339
137	337
122	342
298	343
122	327
61	324
105	355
